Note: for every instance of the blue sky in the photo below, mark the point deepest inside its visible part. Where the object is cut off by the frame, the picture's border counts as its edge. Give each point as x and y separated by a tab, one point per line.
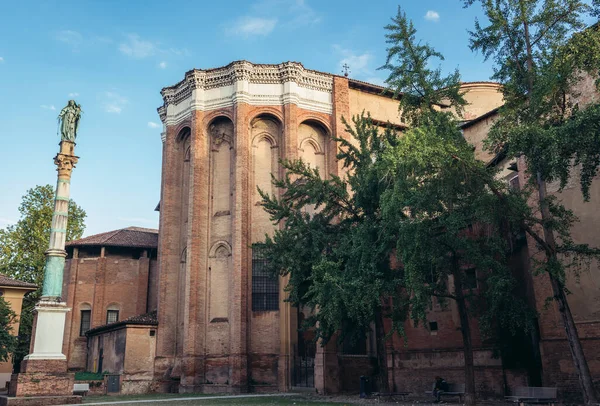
113	57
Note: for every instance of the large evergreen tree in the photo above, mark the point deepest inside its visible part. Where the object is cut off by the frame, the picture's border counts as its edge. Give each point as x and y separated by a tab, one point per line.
541	54
22	247
420	196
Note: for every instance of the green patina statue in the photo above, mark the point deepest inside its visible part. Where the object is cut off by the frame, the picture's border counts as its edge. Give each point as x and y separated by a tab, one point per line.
69	121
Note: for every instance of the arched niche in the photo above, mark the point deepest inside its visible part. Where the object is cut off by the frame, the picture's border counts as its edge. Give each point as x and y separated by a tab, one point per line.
312	145
219	266
265	132
184	141
220	132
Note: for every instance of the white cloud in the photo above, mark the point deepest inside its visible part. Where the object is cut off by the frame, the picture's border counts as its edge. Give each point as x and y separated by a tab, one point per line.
252	26
113	102
152	124
136	47
139	48
69	37
1	59
78	41
303	14
432	15
162	65
73	94
358	62
48	107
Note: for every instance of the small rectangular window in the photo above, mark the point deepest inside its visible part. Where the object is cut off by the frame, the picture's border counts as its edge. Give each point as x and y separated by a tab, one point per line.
265	287
112	316
433	326
470	281
86	316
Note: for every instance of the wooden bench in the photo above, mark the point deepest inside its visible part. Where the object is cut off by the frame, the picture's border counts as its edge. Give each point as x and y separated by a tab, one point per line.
391	396
81	389
528	394
454	389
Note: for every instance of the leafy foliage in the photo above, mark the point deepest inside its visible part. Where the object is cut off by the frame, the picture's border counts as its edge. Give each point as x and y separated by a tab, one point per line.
22	248
420	197
419	88
8	341
332	243
541	61
447	221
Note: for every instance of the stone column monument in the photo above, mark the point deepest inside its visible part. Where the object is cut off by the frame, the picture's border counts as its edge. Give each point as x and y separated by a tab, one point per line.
44	370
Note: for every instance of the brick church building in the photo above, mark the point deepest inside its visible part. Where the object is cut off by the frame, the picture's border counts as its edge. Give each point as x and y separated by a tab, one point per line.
191	309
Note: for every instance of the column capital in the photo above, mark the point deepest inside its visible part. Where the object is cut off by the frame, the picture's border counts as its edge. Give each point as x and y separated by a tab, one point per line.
65	164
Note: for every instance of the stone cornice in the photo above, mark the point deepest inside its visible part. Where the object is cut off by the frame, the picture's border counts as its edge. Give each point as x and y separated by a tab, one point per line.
243	71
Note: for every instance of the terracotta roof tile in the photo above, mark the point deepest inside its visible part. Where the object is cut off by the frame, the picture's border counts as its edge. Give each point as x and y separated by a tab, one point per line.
125	237
148	319
6	281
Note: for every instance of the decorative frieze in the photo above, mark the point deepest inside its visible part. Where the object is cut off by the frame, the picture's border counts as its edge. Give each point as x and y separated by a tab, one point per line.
242	81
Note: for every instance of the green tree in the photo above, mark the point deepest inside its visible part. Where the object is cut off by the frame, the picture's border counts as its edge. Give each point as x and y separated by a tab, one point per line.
8	341
421	196
540	55
22	248
448	213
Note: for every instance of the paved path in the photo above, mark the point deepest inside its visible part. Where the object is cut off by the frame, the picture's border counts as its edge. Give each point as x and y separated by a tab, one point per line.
197	398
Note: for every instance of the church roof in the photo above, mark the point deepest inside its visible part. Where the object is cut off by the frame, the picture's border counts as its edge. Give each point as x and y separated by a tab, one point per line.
136	237
148	319
14	283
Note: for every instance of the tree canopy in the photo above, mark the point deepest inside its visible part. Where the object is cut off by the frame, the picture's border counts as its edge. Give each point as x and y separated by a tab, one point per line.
412	213
22	247
543	52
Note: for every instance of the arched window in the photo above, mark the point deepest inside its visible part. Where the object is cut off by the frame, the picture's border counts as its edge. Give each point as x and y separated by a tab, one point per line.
85	321
112	313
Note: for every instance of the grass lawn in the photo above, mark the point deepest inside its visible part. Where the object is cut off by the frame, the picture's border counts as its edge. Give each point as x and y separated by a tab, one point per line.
196	399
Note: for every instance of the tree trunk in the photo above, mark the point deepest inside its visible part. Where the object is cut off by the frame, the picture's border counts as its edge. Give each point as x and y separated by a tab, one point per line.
583	371
382	376
465	329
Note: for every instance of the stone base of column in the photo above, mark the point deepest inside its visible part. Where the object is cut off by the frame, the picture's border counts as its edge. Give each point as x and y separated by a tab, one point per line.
44	379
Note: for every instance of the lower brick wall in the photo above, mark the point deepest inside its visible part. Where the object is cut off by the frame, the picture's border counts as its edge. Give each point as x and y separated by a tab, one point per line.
263	369
352	367
558	369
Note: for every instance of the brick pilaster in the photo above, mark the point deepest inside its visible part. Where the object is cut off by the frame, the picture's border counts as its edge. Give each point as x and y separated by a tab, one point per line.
240	246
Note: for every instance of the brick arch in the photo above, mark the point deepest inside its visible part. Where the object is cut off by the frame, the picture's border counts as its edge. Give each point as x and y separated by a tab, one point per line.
214	115
310	118
318	148
183	131
85	306
216	246
265	136
268	112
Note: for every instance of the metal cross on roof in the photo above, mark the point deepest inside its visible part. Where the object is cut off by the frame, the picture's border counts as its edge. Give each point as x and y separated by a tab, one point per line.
345	69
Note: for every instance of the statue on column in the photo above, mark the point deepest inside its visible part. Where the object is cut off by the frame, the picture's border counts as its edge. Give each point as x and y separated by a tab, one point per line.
69	121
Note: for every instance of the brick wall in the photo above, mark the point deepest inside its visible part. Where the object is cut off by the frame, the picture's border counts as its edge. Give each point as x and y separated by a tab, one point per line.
95	283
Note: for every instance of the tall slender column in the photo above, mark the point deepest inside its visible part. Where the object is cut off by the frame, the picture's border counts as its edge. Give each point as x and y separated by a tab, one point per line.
65	161
44	370
51	311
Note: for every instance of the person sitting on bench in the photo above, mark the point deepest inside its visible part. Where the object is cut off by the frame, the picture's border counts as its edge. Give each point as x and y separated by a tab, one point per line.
439	386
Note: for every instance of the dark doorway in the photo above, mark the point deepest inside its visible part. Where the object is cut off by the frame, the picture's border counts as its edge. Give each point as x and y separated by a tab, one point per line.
304	355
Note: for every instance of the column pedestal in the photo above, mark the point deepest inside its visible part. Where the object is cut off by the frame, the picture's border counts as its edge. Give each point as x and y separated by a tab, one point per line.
44	379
